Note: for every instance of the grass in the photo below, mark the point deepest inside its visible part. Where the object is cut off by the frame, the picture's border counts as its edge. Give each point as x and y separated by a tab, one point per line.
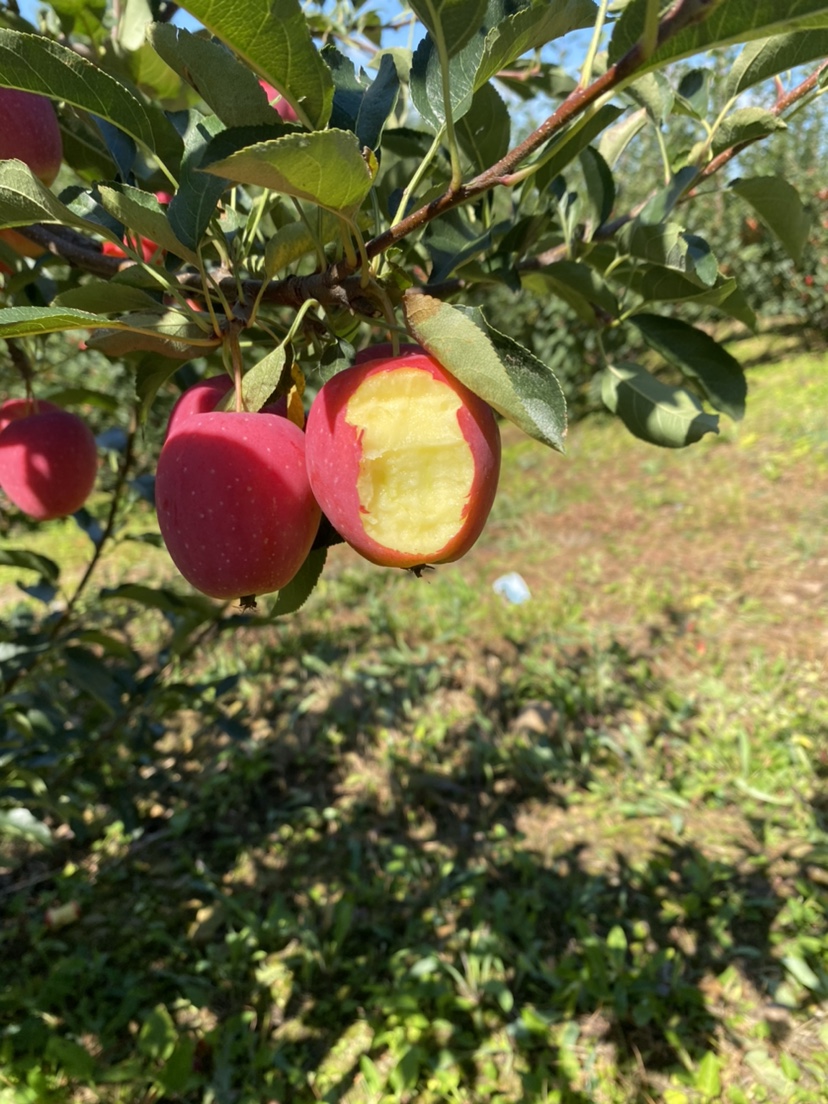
416	843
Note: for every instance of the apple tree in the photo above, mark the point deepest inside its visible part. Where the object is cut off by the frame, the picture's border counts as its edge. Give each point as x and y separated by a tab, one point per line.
252	202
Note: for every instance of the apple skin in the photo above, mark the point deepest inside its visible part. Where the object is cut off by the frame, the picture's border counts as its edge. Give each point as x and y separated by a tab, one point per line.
278	102
335	455
13	409
205	396
48	463
29	131
234	502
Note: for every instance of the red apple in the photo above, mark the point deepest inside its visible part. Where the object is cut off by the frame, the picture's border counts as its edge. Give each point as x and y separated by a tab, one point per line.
29	131
278	102
205	396
13	409
48	463
234	503
403	459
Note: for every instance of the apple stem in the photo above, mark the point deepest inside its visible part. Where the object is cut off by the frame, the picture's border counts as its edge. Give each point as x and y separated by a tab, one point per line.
236	360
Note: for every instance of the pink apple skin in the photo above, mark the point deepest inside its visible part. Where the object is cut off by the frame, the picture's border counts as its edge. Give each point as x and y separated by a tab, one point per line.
13	409
234	503
29	131
205	396
335	456
48	463
278	102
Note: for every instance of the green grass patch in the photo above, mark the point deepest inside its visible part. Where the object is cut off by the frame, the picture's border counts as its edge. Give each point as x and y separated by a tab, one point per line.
416	843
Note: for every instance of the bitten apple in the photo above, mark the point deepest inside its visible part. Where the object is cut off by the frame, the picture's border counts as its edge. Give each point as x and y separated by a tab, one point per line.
234	503
48	463
29	131
403	459
205	396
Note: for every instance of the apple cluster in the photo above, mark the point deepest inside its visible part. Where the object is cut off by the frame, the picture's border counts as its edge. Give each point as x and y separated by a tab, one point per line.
400	457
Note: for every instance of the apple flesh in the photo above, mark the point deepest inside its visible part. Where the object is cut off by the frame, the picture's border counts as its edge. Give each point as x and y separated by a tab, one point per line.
234	502
403	459
48	463
29	131
205	396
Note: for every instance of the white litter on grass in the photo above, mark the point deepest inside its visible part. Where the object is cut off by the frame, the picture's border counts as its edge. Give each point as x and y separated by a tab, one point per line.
513	588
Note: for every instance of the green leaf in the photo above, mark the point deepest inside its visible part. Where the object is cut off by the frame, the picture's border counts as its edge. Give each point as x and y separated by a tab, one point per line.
230	89
716	23
158	1034
35	63
455	20
698	356
327	168
162	329
656	284
47	569
20	823
142	213
24	200
600	187
747	124
510	378
778	205
503	36
163	599
799	969
259	383
170	333
198	193
670	417
273	37
151	372
536	24
26	321
670	245
616	139
707	1078
655	94
295	240
293	596
484	131
578	285
693	93
105	297
361	105
760	60
562	150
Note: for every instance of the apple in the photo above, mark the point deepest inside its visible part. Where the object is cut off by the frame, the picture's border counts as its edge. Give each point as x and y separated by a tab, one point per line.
13	409
205	396
29	131
48	462
403	459
278	102
234	503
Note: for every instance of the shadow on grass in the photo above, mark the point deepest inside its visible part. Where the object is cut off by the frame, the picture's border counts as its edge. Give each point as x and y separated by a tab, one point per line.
384	874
